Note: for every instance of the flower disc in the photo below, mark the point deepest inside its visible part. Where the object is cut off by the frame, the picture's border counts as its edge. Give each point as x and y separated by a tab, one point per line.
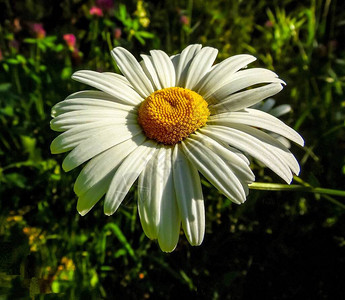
171	114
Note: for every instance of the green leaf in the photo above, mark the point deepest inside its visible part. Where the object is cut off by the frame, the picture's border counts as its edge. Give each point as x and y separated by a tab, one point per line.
121	237
16	179
5	87
7	111
145	34
66	73
30	41
21	58
12	61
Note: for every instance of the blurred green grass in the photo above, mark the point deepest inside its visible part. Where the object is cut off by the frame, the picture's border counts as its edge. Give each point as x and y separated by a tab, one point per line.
278	245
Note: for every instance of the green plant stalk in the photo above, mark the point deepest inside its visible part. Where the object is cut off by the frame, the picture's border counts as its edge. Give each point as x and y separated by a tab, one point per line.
295	187
109	43
37	58
17	80
301	188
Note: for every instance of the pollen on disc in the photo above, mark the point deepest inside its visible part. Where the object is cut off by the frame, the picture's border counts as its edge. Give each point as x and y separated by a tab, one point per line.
171	114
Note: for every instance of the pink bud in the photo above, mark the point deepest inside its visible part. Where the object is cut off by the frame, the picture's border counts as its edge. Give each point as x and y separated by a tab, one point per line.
96	11
117	33
269	23
184	20
16	25
70	40
38	29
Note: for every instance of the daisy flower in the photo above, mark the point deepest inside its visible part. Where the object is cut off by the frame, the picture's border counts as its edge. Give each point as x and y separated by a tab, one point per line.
162	122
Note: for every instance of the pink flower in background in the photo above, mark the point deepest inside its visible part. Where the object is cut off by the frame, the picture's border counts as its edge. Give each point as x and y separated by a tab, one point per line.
269	23
38	29
1	57
117	33
105	4
70	40
184	20
16	25
96	11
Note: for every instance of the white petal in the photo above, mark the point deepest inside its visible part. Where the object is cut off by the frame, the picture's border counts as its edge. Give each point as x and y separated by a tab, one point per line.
282	140
97	144
74	136
264	105
241	80
93	94
189	197
200	65
88	104
244	99
110	85
101	113
88	199
103	164
257	118
237	152
252	146
126	174
72	119
132	71
169	227
164	68
148	202
184	60
239	166
221	73
175	59
214	169
122	78
158	211
150	71
274	145
280	110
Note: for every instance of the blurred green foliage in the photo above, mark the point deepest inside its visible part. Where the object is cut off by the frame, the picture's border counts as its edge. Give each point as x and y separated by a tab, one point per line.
278	245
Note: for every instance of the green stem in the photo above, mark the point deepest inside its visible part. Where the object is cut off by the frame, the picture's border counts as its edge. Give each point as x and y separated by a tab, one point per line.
17	80
295	187
304	187
110	45
37	58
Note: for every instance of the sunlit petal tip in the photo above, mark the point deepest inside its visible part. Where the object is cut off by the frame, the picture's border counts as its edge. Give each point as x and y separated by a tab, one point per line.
66	166
242	200
75	74
108	211
53	148
83	212
120	49
196	242
167	248
53	112
302	142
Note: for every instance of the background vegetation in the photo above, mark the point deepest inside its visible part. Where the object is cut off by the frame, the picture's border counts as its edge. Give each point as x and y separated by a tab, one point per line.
284	244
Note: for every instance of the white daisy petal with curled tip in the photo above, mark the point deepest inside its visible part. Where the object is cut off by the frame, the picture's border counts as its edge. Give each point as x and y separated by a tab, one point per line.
278	111
162	122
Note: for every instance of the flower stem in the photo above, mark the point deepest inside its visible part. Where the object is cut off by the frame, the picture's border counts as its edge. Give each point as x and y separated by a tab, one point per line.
304	187
295	187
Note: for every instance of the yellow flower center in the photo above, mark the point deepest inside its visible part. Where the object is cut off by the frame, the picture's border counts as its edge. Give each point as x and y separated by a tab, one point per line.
171	114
